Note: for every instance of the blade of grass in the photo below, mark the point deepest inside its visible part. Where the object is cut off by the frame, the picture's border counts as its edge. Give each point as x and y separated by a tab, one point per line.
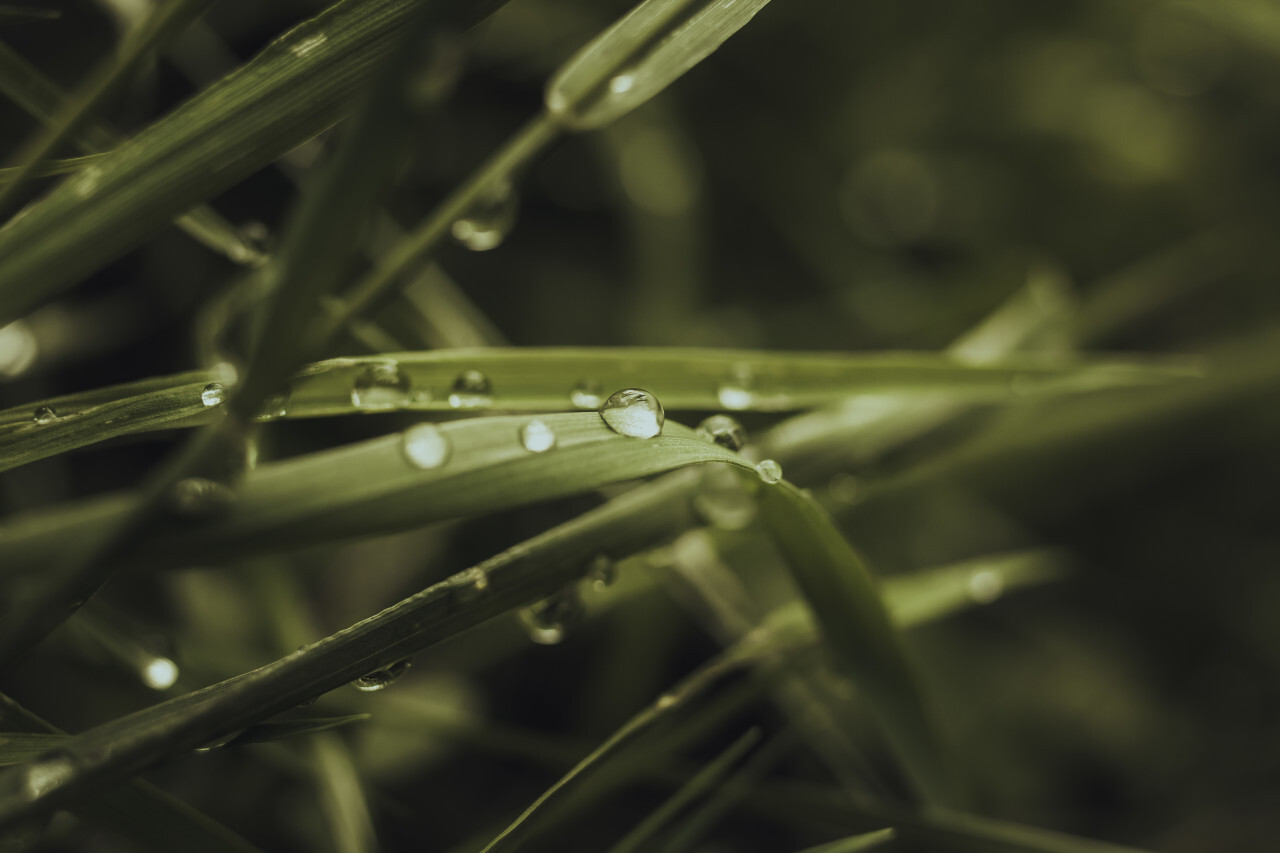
522	574
687	793
31	90
164	20
858	632
856	843
300	84
47	168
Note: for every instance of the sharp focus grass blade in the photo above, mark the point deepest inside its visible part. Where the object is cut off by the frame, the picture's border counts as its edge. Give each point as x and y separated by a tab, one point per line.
297	86
856	843
640	55
857	629
551	379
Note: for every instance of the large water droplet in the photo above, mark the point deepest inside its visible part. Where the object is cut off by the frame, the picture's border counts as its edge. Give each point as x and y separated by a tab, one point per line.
547	621
737	392
587	395
769	471
471	390
724	431
425	445
46	415
380	387
537	437
634	412
489	220
197	497
381	678
214	394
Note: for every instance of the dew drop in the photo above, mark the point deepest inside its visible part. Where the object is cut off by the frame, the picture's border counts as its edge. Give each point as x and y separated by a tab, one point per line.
489	220
769	471
547	621
214	394
276	406
46	415
738	391
587	395
159	673
380	387
471	584
985	586
724	431
622	84
537	437
425	445
602	573
634	412
471	390
198	497
382	677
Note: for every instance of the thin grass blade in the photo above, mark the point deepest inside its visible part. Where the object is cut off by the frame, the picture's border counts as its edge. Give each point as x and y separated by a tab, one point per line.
856	843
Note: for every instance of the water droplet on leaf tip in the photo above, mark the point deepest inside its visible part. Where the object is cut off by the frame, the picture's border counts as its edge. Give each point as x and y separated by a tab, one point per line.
425	445
634	412
724	431
380	679
380	387
587	395
769	471
214	394
46	415
471	390
547	621
537	437
489	220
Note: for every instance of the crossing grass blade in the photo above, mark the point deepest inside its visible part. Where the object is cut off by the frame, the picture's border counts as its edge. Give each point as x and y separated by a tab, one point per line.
856	843
300	84
545	380
47	168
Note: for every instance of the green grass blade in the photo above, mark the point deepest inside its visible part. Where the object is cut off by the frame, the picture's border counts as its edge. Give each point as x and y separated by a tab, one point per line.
647	50
527	572
47	168
858	631
697	786
563	378
297	86
856	843
163	21
271	730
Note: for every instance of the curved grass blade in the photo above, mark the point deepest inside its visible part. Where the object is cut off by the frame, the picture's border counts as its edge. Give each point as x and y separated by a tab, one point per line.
565	378
297	86
160	24
858	631
856	843
527	572
138	810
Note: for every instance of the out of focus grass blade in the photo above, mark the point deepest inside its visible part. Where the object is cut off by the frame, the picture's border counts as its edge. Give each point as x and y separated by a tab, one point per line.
858	632
138	810
276	729
552	379
640	55
856	843
163	21
46	168
524	573
297	86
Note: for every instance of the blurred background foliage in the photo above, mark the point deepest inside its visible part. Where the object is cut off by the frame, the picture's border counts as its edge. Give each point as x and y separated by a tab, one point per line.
843	176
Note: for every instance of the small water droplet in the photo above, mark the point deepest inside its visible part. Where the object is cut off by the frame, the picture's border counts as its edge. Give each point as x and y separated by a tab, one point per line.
769	471
537	437
380	387
634	412
159	673
276	406
985	586
602	572
46	415
382	677
489	221
547	621
425	445
724	431
214	394
622	84
587	395
198	497
471	584
738	391
471	390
